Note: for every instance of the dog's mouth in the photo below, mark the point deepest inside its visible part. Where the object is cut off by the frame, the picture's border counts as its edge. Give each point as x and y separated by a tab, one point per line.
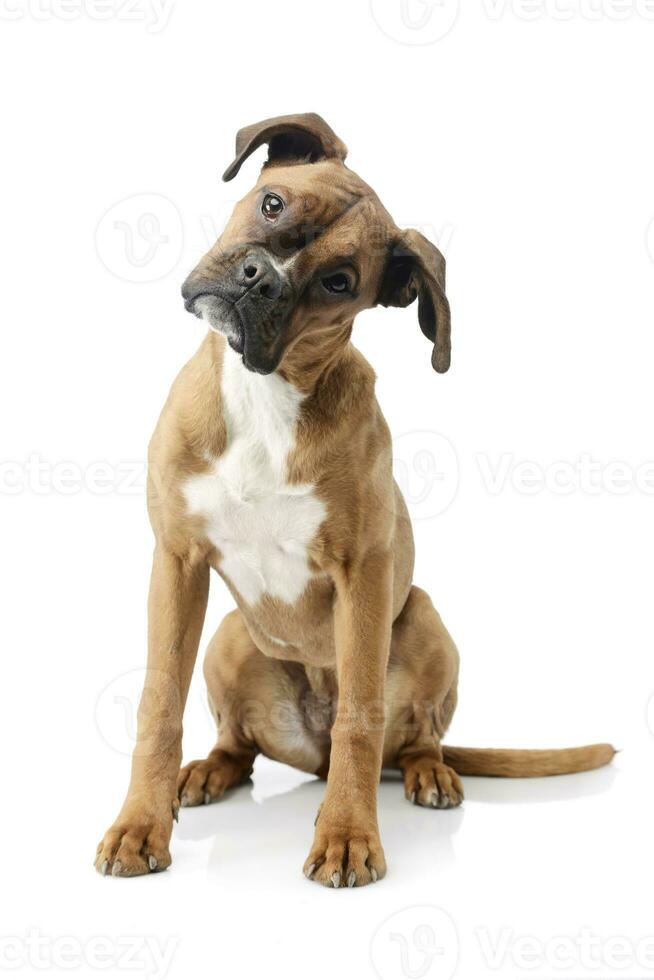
221	316
224	317
248	299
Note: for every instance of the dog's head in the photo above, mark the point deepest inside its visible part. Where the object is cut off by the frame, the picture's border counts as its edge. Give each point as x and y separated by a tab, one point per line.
308	248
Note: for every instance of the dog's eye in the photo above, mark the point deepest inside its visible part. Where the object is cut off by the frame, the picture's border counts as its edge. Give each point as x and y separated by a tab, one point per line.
338	283
272	206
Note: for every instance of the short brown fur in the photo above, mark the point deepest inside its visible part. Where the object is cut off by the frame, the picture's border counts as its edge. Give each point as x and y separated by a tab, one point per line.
362	672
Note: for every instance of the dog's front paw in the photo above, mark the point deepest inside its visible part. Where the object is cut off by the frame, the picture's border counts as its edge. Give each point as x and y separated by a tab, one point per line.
345	855
135	845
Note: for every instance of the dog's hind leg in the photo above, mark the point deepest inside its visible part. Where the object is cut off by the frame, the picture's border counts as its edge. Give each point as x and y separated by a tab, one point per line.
259	705
230	761
420	701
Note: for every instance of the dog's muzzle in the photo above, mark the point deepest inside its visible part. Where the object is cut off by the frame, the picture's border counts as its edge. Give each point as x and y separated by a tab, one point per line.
250	303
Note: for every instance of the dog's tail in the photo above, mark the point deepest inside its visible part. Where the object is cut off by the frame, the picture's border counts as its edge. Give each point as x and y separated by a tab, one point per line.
527	762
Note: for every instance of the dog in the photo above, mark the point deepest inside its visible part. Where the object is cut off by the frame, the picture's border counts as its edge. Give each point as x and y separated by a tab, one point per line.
271	463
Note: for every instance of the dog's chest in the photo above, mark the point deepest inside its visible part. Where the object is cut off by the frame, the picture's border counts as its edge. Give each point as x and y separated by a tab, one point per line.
261	524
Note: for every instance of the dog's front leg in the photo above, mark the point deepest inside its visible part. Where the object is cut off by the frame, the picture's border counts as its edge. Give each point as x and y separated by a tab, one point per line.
138	840
347	849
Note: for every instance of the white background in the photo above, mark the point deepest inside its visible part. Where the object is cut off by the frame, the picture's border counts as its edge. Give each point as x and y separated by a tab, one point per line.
520	140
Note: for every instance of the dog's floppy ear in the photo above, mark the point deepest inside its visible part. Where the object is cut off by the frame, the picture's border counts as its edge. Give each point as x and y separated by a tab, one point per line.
305	136
415	267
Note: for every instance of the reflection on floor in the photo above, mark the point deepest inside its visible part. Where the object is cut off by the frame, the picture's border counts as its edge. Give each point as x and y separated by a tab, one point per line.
285	801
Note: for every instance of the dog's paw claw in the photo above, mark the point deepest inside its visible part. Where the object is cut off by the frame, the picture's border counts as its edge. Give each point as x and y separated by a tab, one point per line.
207	780
430	783
342	859
135	845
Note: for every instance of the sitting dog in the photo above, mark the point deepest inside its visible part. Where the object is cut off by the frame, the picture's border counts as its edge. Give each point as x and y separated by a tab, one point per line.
271	463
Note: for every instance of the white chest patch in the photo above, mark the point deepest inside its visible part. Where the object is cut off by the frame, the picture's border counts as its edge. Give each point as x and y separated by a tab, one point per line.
261	524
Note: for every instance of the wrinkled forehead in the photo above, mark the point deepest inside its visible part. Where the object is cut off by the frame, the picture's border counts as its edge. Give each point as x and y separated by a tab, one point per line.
358	238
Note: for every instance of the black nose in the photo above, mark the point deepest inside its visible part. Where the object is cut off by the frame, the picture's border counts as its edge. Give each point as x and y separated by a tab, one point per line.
258	274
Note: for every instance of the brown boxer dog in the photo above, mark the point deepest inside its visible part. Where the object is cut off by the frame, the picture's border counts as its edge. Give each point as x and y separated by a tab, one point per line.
271	463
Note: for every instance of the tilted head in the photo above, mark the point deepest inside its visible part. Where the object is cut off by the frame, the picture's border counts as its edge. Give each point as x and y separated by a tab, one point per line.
307	249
